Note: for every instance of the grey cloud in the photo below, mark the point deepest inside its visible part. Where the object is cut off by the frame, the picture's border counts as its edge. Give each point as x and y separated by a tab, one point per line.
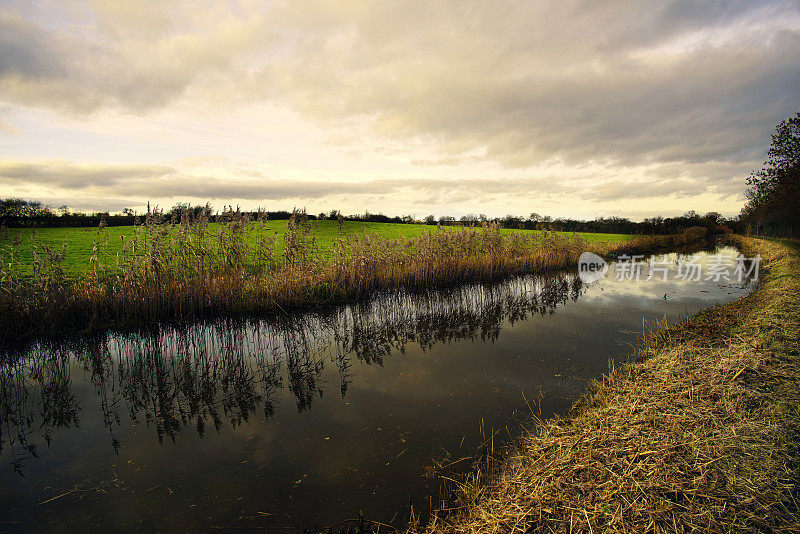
26	50
152	181
204	187
616	190
530	83
654	22
108	64
71	176
628	83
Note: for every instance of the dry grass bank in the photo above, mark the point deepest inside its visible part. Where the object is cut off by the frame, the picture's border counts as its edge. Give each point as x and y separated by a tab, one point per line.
190	270
701	434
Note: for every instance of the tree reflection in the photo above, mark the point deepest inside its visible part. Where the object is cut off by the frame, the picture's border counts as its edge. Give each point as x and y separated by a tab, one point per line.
173	378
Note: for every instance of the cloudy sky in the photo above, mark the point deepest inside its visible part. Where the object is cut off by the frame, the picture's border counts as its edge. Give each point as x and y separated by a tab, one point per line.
566	108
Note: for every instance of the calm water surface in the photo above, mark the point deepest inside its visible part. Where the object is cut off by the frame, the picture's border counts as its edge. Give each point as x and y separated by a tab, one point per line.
307	419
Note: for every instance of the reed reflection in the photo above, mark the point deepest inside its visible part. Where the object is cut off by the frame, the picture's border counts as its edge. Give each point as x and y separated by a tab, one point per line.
174	378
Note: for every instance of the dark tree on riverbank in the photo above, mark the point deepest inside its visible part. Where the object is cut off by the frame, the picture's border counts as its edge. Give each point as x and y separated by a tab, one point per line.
773	193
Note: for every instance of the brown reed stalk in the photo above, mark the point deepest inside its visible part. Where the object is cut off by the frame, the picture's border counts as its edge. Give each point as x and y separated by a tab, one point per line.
190	268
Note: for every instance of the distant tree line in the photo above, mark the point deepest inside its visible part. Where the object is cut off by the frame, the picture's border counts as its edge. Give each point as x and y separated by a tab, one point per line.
714	221
16	212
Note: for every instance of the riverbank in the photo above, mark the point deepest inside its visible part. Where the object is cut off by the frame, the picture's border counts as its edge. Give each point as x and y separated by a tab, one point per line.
702	433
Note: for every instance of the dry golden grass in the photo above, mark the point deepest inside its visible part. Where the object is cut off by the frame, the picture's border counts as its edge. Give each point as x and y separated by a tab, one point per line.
701	434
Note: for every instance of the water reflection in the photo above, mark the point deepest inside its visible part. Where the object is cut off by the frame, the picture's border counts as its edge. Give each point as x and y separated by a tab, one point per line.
172	379
35	401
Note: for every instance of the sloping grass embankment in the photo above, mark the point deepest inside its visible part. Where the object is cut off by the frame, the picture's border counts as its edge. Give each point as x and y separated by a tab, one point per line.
701	434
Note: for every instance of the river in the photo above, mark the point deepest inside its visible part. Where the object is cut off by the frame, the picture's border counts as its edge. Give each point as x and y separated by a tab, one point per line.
304	420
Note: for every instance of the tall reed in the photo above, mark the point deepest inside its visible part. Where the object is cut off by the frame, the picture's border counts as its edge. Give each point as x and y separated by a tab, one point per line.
189	268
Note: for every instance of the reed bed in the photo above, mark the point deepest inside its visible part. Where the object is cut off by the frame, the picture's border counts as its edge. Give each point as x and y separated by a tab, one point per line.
187	269
700	434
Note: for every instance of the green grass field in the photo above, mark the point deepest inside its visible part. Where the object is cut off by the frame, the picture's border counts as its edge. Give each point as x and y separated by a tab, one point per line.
80	241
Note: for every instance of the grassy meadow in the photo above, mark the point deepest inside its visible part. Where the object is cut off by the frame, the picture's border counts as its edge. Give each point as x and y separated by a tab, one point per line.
83	243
